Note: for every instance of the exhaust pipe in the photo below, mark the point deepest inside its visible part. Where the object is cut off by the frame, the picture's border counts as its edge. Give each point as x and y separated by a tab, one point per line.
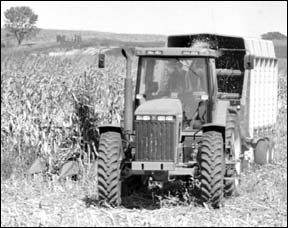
128	99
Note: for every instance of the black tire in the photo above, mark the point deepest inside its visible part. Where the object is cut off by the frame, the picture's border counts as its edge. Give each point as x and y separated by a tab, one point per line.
230	185
261	152
109	160
271	151
233	153
212	168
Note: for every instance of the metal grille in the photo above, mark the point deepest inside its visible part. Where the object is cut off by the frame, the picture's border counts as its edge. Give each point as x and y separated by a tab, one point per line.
155	140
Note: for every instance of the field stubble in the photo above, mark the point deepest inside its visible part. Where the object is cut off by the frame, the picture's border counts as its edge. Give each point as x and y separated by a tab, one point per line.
38	103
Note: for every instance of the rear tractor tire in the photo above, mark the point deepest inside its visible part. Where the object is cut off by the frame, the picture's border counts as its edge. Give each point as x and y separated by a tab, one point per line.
108	173
233	153
212	168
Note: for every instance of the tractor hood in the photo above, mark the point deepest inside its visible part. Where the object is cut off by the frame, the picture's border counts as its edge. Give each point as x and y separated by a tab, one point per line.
163	106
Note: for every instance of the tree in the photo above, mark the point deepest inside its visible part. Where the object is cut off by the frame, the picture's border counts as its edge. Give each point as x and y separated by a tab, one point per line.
273	36
20	21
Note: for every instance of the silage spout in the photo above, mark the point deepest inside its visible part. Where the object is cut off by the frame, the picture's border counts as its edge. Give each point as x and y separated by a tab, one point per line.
128	99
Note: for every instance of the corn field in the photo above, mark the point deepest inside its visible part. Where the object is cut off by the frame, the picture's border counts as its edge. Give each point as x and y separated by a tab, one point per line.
51	108
50	105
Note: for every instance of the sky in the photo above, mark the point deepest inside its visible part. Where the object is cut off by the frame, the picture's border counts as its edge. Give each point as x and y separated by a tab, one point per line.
171	17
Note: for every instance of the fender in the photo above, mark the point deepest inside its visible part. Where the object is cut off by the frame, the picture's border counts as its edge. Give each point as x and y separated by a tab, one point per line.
113	128
219	115
110	127
219	112
215	127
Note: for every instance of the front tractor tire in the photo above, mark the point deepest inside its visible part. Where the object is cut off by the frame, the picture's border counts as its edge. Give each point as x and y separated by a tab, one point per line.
109	161
212	168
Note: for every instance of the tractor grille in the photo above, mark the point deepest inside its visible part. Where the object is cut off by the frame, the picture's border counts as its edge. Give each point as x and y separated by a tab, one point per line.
155	140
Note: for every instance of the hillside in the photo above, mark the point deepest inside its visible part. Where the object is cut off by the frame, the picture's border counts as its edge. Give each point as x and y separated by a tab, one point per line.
49	35
46	40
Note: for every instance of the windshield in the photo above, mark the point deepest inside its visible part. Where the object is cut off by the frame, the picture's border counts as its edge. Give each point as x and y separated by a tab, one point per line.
171	77
182	78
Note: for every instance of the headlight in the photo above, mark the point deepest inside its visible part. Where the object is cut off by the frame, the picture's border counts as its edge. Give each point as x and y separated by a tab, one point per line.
139	117
146	117
169	118
161	118
143	117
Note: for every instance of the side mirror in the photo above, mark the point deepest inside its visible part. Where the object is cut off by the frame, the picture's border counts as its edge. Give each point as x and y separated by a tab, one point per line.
101	60
123	51
128	52
249	62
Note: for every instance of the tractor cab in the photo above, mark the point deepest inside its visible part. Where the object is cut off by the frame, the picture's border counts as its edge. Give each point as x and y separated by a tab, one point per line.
185	74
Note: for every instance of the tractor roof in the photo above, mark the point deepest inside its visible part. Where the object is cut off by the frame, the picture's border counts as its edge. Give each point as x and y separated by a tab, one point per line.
179	52
252	46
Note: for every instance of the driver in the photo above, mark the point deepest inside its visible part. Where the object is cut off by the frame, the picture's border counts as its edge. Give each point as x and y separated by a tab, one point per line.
176	77
196	75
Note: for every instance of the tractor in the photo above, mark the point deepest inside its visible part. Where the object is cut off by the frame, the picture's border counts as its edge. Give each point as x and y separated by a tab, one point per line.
194	115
